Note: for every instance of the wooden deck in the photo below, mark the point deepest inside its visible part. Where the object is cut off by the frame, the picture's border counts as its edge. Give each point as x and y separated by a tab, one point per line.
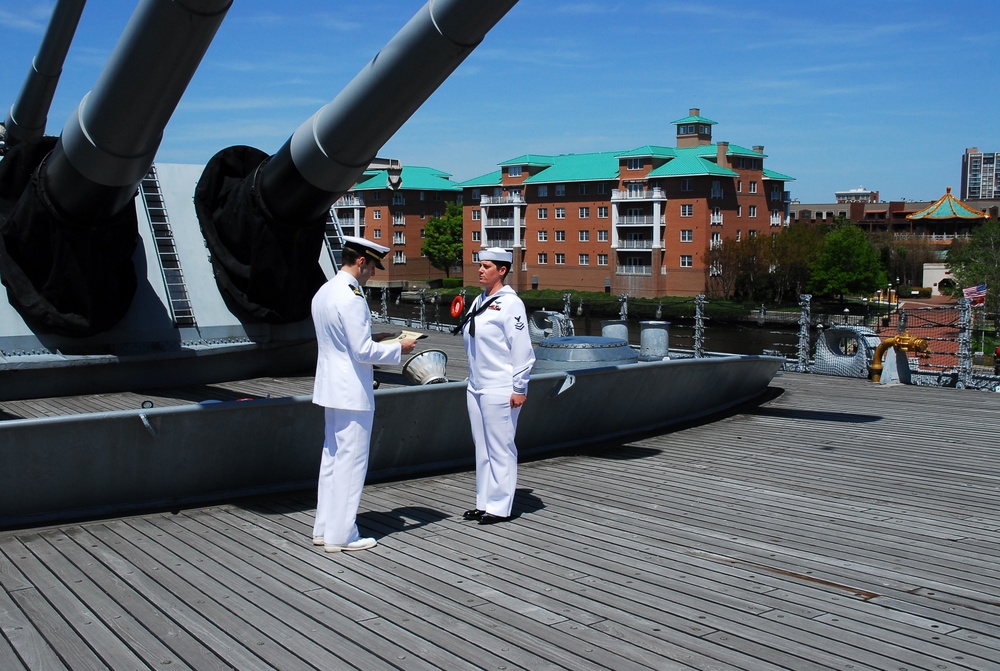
837	525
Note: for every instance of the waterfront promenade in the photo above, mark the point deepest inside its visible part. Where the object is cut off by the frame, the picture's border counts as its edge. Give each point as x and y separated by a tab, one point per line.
837	524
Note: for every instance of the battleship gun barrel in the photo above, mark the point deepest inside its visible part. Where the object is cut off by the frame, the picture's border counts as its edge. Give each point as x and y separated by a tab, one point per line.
263	217
68	225
329	152
108	145
27	116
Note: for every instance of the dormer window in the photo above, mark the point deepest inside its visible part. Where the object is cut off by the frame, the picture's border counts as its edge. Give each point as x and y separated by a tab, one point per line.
514	171
635	164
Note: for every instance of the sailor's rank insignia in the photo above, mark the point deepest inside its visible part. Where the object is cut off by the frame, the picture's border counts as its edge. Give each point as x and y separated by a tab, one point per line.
519	325
357	291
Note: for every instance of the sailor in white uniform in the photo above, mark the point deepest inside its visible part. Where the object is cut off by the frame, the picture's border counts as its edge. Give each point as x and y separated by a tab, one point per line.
344	387
498	345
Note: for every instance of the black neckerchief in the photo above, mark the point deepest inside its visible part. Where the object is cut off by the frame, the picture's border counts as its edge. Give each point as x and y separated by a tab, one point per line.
470	316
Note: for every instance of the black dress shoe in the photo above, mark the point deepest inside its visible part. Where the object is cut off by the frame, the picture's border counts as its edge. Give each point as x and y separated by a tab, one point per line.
473	514
487	518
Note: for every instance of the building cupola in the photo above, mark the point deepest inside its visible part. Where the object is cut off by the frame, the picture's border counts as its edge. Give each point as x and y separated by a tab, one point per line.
694	129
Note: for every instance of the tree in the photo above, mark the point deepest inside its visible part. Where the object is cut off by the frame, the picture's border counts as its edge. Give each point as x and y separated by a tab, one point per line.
796	249
847	264
977	261
443	239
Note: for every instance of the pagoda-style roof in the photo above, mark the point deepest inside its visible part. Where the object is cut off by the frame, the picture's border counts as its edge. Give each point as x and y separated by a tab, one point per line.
948	207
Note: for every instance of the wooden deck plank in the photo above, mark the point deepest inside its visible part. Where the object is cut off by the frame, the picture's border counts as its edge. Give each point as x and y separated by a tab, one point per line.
833	527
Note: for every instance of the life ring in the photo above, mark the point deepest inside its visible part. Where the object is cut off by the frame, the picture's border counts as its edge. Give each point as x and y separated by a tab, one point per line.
457	306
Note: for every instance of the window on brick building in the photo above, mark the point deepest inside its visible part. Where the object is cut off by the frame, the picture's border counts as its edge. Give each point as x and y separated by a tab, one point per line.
687	261
584	236
584	259
687	210
584	213
560	236
560	259
543	213
687	235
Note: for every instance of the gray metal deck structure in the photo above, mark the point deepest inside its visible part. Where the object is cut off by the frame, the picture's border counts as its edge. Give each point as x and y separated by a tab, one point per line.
836	525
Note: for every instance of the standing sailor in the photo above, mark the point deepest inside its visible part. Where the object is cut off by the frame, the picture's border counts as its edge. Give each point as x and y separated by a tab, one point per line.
498	346
344	386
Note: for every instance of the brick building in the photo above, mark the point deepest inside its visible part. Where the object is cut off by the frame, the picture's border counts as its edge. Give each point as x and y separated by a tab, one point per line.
638	221
396	218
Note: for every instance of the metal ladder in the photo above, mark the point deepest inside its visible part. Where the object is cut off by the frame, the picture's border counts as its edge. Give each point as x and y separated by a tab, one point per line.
178	301
334	236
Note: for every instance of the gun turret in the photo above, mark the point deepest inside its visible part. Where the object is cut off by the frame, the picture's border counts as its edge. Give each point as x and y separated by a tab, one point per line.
67	219
27	116
263	217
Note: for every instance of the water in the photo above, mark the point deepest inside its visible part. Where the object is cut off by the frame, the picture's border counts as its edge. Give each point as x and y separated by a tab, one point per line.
719	336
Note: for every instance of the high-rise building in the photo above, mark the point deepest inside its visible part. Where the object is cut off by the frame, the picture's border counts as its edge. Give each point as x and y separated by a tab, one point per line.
980	174
639	221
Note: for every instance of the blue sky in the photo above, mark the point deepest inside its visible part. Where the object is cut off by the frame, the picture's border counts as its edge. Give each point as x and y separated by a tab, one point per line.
884	94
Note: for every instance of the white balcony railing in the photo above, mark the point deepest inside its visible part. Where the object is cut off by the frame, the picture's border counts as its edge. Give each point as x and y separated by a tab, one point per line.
638	194
350	201
502	222
399	240
506	243
399	260
634	270
716	220
502	200
635	244
636	221
777	221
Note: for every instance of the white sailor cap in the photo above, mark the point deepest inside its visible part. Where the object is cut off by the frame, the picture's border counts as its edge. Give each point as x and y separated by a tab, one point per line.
371	250
496	254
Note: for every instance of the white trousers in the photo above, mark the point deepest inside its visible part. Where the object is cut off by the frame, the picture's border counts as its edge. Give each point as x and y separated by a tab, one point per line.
494	423
342	472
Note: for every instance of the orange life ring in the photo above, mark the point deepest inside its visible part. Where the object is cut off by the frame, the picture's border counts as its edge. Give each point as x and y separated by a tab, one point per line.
457	306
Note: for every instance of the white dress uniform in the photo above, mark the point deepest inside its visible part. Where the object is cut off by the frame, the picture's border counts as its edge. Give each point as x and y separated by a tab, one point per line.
500	359
343	386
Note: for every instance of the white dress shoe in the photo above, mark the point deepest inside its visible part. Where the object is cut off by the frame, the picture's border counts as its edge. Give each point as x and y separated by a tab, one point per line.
360	544
318	540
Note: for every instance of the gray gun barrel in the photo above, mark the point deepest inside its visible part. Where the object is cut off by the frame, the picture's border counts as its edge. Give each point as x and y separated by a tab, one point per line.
329	152
108	145
29	113
264	217
69	229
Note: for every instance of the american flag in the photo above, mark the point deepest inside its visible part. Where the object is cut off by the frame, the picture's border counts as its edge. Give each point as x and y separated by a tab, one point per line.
976	294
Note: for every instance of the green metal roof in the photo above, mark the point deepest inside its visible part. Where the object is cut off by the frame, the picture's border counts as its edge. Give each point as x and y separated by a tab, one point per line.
689	164
948	207
650	150
771	174
578	168
694	119
489	179
415	178
679	162
529	159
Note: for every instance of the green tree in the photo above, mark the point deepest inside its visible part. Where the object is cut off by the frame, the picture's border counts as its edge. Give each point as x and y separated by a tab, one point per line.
977	261
796	249
847	264
443	239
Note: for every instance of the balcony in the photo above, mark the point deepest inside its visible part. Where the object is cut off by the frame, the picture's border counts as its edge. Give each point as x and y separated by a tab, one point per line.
350	201
399	260
506	243
638	194
500	222
399	240
777	221
635	244
516	199
641	220
716	220
634	270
